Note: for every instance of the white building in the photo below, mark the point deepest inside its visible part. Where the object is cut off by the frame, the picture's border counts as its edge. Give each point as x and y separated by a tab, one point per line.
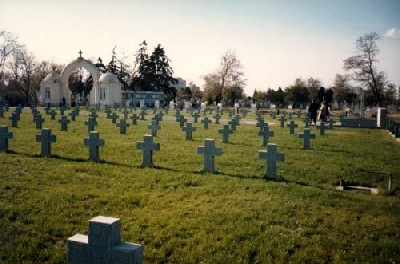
54	89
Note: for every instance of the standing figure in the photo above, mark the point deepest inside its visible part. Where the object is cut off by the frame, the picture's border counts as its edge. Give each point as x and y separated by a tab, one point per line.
312	111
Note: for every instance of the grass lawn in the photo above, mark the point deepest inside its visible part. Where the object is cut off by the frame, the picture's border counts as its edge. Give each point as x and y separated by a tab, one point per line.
180	215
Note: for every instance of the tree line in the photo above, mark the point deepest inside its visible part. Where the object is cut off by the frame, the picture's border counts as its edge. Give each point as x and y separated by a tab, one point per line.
21	74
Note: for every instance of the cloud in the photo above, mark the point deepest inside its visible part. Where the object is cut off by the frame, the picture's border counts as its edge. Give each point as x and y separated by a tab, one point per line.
393	33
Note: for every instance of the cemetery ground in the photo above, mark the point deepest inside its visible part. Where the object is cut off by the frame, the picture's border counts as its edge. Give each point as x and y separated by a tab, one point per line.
180	215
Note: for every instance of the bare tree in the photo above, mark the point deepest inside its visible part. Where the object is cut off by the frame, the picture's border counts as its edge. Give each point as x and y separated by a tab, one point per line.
228	75
363	65
8	46
313	85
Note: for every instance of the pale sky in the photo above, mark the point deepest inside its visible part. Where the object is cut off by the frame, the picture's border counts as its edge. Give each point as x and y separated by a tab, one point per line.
277	41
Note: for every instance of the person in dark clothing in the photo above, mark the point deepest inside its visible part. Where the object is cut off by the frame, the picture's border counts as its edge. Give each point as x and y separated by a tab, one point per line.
312	111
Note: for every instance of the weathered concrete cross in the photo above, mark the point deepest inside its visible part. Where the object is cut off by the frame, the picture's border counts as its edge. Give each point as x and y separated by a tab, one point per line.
282	120
195	117
39	121
14	119
154	127
91	123
46	138
322	127
122	126
217	117
53	114
265	133
292	125
307	136
114	117
206	121
181	120
94	142
271	156
225	131
189	129
148	147
209	151
103	245
64	123
4	136
134	119
233	124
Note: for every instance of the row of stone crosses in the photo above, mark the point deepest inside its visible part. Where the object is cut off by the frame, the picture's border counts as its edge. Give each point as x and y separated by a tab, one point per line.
209	150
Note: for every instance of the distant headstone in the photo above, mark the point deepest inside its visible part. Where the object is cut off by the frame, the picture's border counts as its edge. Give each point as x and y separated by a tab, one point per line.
307	121
217	117
5	135
64	123
148	147
322	127
114	117
39	121
195	117
72	115
292	126
206	121
260	123
14	119
209	151
233	124
142	114
271	156
91	123
45	139
53	114
331	122
189	129
225	131
103	245
94	143
182	120
134	119
156	119
282	120
266	134
122	126
154	127
306	136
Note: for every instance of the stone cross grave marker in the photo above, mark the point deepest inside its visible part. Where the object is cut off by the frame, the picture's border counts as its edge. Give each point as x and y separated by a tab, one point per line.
154	127
64	123
122	126
189	129
225	131
156	118
260	123
4	136
237	117
53	114
195	117
182	120
307	121
322	127
290	115
282	120
266	134
271	156
125	113
292	126
142	114
77	110
233	124
306	136
209	151
217	117
114	117
91	123
331	122
39	121
62	110
148	147
103	245
134	119
45	139
206	121
94	143
108	113
94	115
72	114
14	119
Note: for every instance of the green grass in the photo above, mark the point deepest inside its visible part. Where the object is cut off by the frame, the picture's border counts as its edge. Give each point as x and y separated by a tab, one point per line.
182	216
